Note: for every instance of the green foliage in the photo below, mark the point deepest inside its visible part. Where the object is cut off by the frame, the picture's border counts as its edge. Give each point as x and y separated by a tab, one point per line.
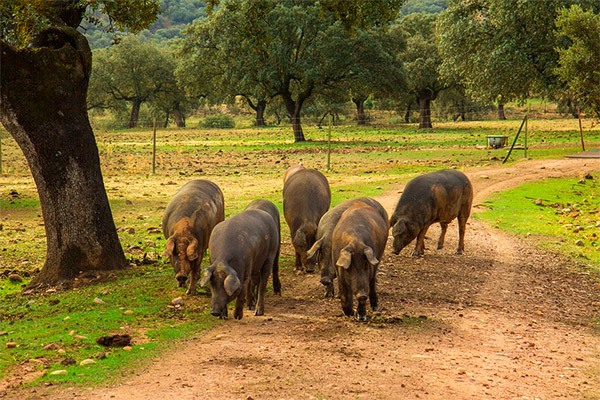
263	49
363	13
423	7
173	17
23	19
579	63
502	50
218	121
566	205
132	73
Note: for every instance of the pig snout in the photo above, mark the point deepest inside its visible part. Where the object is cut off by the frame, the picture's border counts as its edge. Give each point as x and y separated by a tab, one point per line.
181	279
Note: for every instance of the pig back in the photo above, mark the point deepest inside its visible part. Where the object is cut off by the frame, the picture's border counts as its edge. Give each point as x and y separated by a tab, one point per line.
332	217
251	235
361	222
199	200
268	207
306	197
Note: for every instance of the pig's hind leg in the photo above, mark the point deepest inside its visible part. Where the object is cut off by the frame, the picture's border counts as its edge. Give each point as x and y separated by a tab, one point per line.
262	286
444	226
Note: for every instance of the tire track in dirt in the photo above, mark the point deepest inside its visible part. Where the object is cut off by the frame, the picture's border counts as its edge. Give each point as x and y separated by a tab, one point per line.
503	321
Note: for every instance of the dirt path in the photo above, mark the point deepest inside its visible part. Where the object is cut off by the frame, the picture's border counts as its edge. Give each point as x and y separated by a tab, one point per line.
503	321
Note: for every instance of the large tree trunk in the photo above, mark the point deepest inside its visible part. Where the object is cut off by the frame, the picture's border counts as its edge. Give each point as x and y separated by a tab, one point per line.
294	108
43	106
501	115
178	117
261	106
135	113
425	110
407	114
360	111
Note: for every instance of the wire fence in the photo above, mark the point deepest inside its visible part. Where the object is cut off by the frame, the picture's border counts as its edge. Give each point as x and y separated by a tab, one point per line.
343	116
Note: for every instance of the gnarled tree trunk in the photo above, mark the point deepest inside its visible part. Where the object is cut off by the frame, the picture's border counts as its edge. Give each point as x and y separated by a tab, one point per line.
501	115
135	113
261	106
178	117
360	110
425	99
43	106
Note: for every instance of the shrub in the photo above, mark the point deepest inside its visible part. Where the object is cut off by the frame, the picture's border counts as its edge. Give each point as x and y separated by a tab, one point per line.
218	121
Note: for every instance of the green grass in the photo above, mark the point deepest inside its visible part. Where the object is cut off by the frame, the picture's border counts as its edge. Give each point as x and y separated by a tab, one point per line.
35	321
566	205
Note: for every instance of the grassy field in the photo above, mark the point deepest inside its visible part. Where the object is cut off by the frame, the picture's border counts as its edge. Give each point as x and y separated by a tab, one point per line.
561	215
247	163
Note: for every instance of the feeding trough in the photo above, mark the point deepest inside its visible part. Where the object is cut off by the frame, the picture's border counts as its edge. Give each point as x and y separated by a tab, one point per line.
496	141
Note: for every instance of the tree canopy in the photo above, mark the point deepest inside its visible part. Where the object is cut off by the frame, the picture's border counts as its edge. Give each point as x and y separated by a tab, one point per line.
579	62
502	49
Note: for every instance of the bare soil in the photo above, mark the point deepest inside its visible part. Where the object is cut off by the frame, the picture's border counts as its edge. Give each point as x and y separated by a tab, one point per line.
505	320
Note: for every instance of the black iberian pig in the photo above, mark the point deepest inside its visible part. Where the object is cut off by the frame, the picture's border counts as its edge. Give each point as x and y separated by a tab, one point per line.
306	197
357	245
271	209
187	224
438	196
242	249
322	247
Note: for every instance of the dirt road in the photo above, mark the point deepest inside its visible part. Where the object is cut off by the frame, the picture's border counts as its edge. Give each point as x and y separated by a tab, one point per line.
503	321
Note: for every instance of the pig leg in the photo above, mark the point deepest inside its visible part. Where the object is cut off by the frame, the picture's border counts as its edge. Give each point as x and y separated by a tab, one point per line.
442	235
420	245
194	278
298	263
373	294
262	286
251	294
462	225
346	298
238	313
276	281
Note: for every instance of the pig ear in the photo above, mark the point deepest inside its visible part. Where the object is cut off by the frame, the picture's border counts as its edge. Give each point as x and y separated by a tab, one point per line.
313	250
170	247
207	275
192	250
299	238
370	256
232	283
393	219
399	228
344	259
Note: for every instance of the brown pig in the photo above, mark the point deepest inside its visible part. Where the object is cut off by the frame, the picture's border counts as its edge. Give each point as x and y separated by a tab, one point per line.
438	196
187	224
306	197
242	250
322	247
357	245
271	209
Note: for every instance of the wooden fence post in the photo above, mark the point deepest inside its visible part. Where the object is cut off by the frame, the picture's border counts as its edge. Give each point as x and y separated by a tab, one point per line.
154	148
580	129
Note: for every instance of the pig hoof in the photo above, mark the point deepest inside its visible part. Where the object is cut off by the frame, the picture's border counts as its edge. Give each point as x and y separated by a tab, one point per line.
251	308
329	294
238	315
375	308
310	271
459	251
259	313
190	292
362	318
